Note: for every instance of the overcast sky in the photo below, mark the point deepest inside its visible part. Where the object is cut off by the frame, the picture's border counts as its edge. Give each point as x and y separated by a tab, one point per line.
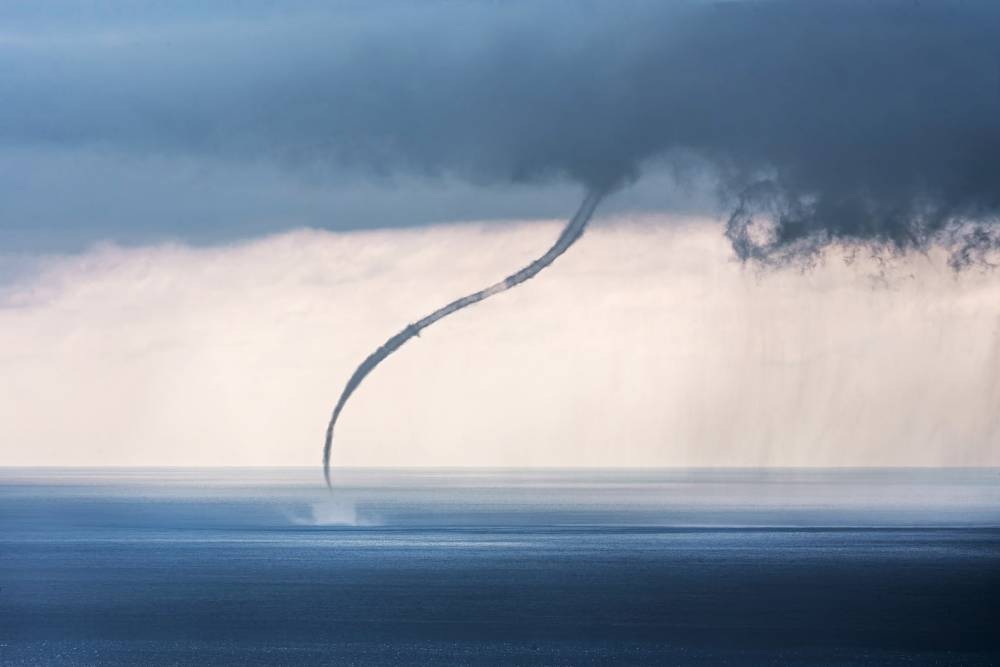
845	121
210	212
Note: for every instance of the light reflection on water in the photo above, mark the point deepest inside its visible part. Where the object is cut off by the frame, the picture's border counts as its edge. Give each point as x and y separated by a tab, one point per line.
295	498
127	567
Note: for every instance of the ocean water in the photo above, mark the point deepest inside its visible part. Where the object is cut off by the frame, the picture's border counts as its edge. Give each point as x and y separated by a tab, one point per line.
241	566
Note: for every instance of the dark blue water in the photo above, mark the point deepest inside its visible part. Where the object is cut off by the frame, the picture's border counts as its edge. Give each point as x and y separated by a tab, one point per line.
486	567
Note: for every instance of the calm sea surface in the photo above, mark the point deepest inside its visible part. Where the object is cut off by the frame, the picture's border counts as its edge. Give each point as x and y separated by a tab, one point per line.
239	566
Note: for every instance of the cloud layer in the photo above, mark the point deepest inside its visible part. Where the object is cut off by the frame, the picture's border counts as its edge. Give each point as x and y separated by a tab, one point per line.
647	346
821	122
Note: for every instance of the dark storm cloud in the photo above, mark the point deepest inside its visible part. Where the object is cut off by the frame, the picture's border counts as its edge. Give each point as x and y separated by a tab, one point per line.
848	122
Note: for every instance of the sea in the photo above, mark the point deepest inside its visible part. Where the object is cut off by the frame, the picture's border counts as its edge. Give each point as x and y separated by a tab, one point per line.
499	566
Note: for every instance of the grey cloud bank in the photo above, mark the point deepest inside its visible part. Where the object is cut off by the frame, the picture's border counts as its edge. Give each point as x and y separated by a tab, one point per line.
872	123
